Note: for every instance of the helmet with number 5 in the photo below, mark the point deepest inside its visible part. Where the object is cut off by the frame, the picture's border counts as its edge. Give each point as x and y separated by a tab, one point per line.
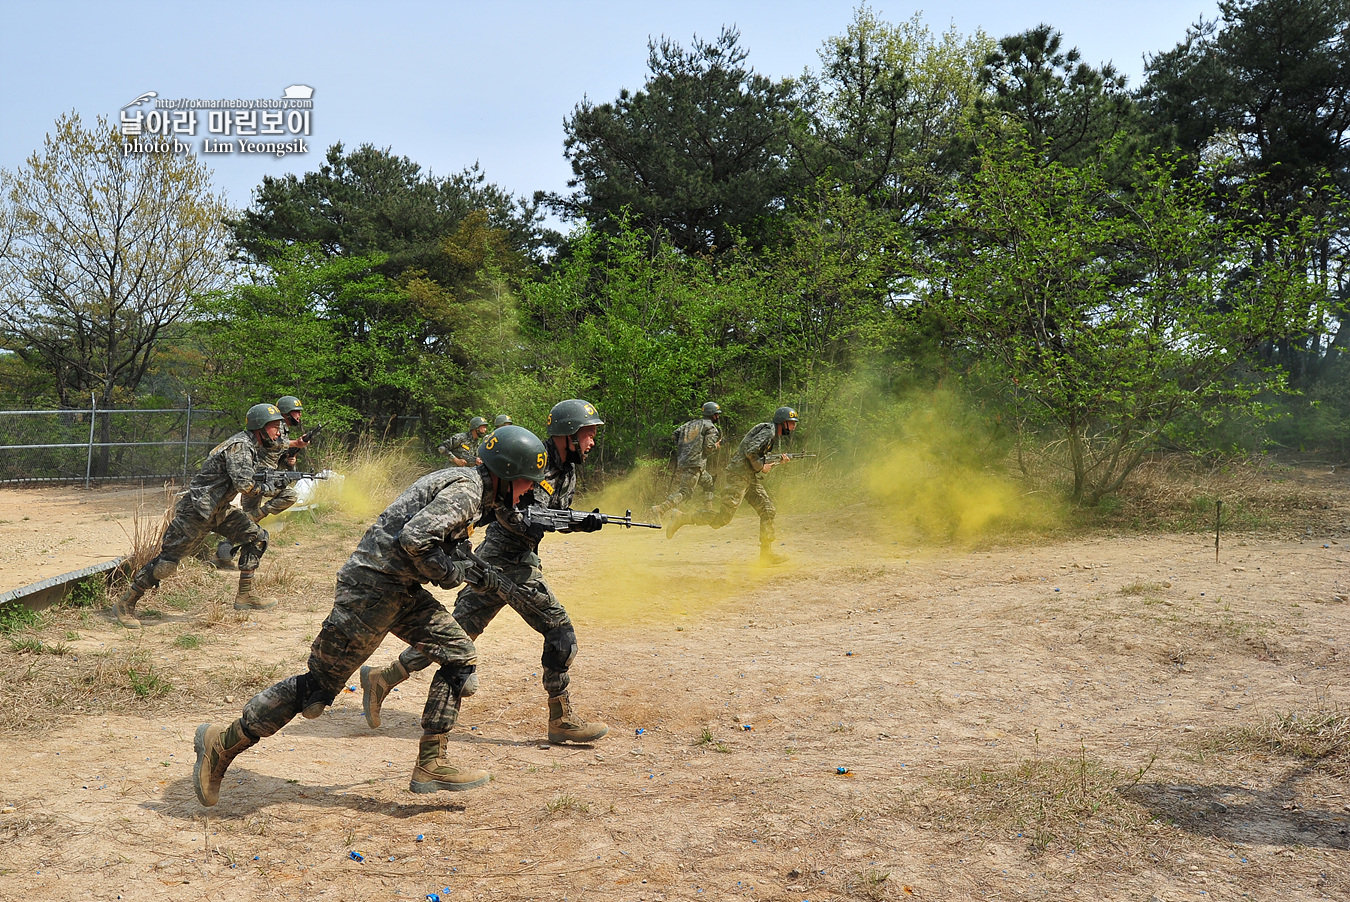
513	452
567	417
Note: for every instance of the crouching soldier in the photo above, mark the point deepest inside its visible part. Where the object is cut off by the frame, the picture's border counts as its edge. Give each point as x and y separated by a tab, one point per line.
205	507
380	591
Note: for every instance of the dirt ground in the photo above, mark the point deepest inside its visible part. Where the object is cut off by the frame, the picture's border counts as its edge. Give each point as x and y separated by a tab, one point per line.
1110	717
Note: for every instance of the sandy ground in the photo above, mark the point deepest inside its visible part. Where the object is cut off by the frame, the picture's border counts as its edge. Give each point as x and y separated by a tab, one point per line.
735	695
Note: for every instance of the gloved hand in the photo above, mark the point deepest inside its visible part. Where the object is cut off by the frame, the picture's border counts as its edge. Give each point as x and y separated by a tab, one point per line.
590	524
436	567
454	575
489	582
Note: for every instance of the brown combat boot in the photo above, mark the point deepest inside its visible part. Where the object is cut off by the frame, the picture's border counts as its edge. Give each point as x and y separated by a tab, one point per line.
247	599
375	685
124	608
565	726
433	773
769	557
677	519
216	747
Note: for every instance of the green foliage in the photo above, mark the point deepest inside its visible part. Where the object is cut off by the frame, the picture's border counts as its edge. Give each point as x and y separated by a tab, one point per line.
698	156
1111	315
14	617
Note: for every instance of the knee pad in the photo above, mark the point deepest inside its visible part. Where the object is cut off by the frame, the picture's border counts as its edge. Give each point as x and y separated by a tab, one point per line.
310	697
560	648
456	678
250	553
163	568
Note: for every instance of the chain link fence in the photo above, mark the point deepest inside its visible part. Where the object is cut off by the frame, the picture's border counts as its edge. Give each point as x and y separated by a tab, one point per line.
95	446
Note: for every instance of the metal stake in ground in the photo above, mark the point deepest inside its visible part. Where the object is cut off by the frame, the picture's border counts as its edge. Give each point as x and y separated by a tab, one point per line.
1218	512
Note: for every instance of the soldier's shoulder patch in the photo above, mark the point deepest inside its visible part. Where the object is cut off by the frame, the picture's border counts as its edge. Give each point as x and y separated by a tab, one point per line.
546	486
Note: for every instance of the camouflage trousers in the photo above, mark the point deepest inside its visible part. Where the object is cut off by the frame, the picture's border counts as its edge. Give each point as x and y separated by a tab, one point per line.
474	611
738	487
362	616
259	506
186	532
695	483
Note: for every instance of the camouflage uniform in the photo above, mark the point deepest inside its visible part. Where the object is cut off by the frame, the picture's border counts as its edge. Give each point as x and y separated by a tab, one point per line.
742	480
509	547
695	442
379	591
205	507
461	445
259	506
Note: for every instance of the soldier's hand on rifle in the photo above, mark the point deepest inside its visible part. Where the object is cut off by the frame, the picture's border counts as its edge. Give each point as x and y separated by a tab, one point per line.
591	524
299	443
454	575
459	461
490	581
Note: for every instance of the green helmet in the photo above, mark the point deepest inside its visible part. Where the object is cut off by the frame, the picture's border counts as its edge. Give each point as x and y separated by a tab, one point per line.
476	422
288	403
567	417
513	452
711	409
784	415
502	420
259	415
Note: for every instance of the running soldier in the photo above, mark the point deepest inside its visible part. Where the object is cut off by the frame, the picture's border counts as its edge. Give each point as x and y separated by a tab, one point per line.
205	507
743	479
280	458
500	421
463	446
515	549
380	591
695	442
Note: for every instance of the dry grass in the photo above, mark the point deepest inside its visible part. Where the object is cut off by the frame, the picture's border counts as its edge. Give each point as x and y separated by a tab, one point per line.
147	533
1051	804
1323	736
1178	493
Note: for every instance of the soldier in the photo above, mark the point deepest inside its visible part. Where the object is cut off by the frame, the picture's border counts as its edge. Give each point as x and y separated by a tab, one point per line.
282	458
695	442
463	446
205	507
743	479
501	420
380	591
515	549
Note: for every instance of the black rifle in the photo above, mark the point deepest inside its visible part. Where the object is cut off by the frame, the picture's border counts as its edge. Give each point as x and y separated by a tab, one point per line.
798	455
505	590
276	480
554	520
308	437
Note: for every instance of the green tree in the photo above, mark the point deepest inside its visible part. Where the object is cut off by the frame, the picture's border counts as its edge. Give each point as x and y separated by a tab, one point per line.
1110	316
890	113
102	254
698	155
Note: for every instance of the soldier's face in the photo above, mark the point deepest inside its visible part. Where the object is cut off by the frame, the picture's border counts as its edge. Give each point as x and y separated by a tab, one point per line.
788	425
586	439
293	417
518	488
273	430
480	431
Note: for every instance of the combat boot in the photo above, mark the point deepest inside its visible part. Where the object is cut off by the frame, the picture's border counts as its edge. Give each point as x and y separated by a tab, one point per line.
249	600
216	748
677	519
769	557
375	685
124	608
433	773
565	726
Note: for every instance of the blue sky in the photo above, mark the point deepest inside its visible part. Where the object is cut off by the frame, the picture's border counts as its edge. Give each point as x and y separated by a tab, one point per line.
449	83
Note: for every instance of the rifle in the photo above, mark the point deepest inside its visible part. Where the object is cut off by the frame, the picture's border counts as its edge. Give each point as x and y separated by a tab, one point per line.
554	520
505	590
308	437
277	480
798	455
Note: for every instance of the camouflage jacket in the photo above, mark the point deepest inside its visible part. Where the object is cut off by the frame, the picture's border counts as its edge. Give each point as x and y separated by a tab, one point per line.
275	458
437	511
460	445
695	442
755	448
227	471
555	492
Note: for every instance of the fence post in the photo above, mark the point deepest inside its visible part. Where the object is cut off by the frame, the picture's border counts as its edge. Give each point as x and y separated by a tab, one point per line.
89	460
187	434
